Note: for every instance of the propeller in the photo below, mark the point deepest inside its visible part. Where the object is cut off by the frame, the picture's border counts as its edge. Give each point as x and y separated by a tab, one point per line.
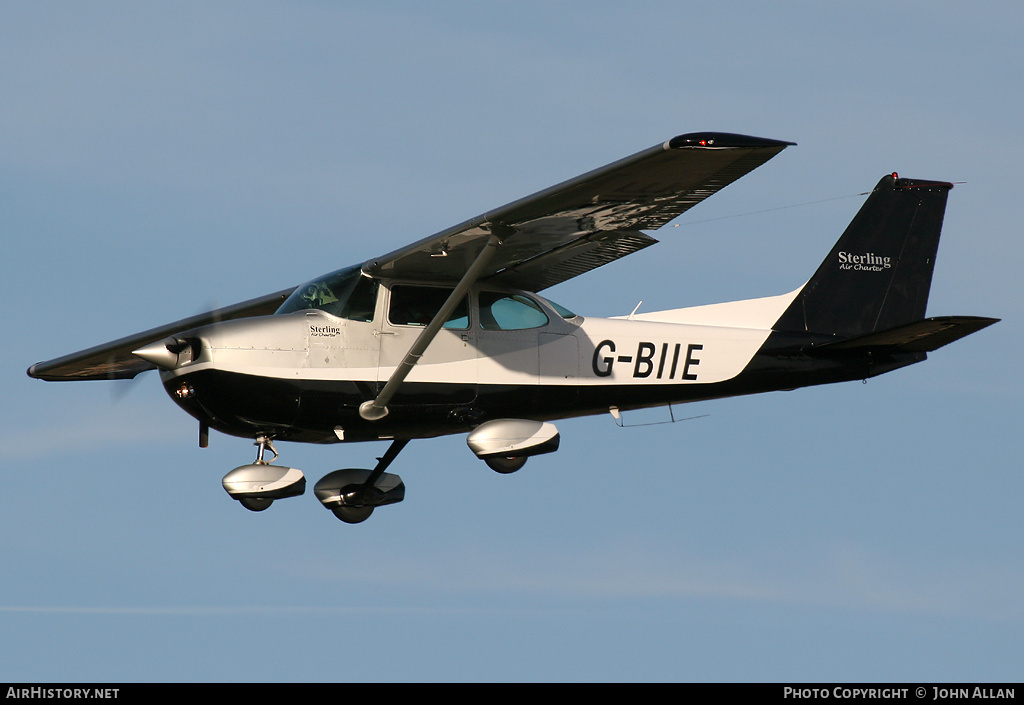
166	354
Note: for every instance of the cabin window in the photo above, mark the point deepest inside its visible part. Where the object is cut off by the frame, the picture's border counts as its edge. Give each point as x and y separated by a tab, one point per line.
417	306
561	310
345	294
509	312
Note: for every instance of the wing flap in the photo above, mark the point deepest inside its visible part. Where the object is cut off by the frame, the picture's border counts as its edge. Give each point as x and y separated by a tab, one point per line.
580	256
114	360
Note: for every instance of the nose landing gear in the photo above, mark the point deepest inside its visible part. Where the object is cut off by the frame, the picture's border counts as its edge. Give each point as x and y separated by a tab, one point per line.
256	486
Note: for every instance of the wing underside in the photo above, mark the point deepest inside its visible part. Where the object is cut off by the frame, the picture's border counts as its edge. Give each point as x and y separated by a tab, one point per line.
583	223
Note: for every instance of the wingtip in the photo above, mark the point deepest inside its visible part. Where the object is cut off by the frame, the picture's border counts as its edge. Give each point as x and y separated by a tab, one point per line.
724	140
39	371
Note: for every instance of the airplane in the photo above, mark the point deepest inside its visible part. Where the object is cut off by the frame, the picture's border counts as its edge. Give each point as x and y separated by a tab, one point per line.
449	335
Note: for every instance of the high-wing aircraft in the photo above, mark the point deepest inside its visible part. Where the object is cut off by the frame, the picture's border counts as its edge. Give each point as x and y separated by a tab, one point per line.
449	335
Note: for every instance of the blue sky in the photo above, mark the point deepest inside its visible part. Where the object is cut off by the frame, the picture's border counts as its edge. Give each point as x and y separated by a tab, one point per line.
158	159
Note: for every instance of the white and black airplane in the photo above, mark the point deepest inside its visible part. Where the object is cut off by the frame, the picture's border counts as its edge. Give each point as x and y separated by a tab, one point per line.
448	335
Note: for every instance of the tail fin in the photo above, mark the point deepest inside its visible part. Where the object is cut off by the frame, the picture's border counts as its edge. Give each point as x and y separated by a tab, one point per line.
878	275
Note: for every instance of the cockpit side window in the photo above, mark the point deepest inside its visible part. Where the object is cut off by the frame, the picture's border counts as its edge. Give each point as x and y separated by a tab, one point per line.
417	306
561	310
345	294
509	312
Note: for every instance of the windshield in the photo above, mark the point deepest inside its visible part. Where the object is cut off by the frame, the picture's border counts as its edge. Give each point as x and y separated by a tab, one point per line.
345	294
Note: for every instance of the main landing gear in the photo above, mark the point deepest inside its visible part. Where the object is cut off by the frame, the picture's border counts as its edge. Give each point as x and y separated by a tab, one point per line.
353	493
506	444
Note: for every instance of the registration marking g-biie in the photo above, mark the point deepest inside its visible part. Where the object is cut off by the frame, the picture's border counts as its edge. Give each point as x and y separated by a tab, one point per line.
649	360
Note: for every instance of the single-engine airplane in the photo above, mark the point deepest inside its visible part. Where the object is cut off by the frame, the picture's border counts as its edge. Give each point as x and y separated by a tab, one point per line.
449	335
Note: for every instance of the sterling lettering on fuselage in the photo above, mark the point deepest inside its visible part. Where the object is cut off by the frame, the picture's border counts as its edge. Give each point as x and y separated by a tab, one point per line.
324	331
648	360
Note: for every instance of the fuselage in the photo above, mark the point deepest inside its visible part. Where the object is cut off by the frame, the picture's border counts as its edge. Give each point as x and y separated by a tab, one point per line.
301	375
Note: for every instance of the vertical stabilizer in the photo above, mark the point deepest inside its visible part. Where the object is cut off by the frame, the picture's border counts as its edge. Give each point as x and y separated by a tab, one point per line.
878	275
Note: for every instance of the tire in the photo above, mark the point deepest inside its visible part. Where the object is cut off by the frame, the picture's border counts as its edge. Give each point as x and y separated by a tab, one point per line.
255	504
353	515
505	464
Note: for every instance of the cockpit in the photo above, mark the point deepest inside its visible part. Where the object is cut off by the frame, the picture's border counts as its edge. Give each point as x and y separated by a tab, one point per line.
345	293
349	294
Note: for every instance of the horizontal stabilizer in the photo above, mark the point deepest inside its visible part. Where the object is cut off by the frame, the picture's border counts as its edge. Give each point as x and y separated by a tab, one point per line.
922	336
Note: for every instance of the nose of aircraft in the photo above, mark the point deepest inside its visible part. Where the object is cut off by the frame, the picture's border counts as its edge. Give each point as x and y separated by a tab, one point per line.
162	353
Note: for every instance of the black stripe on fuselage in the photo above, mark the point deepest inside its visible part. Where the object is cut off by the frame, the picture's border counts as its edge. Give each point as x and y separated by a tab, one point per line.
310	410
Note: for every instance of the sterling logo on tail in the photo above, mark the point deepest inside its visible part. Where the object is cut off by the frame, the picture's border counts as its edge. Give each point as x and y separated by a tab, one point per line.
867	262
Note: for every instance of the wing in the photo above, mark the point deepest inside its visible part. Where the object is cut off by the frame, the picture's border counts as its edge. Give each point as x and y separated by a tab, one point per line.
114	360
547	238
588	221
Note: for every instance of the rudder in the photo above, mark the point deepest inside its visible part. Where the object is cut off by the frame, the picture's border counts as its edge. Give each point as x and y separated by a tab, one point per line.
879	273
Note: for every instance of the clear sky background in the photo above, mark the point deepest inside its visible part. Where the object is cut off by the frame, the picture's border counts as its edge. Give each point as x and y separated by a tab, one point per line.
157	159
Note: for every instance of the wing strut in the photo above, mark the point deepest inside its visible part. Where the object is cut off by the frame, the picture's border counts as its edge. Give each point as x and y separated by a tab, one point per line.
377	409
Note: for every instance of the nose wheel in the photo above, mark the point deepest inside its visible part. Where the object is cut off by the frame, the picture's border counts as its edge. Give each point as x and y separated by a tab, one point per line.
256	486
259	504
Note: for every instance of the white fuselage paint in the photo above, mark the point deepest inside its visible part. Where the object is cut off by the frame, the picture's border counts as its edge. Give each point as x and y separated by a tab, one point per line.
698	345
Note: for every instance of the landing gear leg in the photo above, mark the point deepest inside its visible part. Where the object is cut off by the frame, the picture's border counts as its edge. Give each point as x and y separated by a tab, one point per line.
385	460
263	443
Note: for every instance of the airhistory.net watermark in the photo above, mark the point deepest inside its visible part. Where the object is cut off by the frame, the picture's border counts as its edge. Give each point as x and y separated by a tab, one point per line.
41	693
